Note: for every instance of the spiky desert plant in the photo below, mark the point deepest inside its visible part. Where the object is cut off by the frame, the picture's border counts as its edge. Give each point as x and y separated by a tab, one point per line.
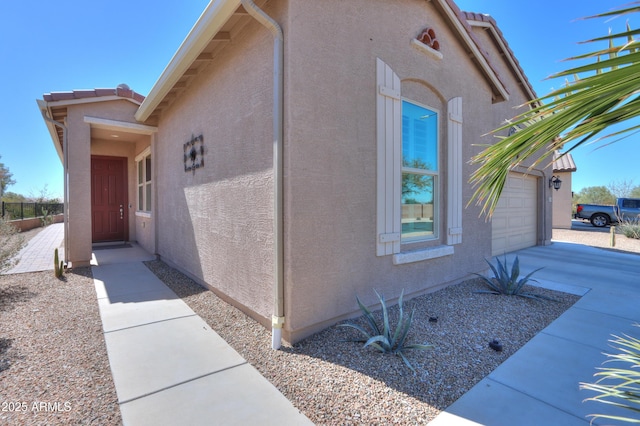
58	265
384	338
619	387
508	282
630	228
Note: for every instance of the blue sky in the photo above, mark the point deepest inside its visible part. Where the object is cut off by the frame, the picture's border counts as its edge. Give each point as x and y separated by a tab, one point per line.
71	44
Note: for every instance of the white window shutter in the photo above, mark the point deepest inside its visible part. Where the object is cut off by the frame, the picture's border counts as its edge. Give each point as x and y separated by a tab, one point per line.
389	168
454	176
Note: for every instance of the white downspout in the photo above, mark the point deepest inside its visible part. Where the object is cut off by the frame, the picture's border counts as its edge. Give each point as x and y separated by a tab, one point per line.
65	167
277	320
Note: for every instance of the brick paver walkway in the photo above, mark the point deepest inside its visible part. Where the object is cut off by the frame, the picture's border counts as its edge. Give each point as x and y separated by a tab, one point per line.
38	254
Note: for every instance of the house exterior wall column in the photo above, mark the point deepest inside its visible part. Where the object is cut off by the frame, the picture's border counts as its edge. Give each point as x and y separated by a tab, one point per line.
562	202
79	214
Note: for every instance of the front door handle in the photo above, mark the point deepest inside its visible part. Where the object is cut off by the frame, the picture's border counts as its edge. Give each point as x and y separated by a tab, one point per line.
121	212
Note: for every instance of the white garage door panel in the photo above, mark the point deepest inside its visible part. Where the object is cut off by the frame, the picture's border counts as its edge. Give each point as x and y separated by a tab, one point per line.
515	220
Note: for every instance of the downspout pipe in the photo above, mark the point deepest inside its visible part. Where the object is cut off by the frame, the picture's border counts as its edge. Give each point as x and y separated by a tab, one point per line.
65	167
277	320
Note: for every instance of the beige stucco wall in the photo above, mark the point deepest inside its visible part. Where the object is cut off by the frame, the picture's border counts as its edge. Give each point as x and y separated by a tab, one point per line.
79	191
81	146
562	202
330	192
216	223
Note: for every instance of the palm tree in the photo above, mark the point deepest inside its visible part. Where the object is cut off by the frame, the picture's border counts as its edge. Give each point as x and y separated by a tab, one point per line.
569	116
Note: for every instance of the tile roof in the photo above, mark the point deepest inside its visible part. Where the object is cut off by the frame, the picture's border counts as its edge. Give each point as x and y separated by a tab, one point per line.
122	91
460	17
563	162
483	17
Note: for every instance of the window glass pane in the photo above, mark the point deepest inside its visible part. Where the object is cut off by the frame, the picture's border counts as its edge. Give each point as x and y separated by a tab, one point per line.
148	197
419	137
147	168
140	199
417	205
139	171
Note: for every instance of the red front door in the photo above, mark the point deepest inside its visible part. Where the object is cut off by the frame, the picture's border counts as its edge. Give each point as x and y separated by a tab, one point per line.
108	199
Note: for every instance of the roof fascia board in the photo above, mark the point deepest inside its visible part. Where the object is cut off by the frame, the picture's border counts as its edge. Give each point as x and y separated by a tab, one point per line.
505	50
210	22
103	123
482	60
52	129
89	100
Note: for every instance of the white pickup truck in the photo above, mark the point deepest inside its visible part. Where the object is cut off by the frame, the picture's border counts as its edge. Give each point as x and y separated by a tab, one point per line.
625	209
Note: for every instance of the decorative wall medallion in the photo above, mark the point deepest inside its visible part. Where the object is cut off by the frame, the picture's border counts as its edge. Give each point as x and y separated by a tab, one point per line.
194	154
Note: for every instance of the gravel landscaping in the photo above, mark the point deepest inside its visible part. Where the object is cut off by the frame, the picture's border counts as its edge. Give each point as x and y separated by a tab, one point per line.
598	237
54	368
336	382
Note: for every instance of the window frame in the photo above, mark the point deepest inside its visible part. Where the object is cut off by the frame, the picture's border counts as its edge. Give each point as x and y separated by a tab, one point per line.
144	183
436	175
389	174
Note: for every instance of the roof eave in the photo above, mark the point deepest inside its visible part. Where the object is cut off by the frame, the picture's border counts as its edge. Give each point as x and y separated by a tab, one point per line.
210	22
90	100
464	30
44	110
513	62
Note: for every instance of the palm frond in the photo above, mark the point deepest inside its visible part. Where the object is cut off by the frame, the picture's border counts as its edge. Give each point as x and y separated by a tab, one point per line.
572	115
619	387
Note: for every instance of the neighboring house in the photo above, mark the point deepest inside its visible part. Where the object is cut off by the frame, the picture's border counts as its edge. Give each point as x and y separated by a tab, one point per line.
563	167
289	177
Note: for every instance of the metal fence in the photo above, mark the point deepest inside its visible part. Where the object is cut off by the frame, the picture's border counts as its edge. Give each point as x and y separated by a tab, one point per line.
13	211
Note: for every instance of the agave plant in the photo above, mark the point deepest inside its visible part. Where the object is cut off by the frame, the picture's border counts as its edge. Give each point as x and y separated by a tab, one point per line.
508	282
383	338
619	387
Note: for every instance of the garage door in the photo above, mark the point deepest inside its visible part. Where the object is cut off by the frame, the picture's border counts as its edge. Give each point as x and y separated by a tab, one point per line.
515	220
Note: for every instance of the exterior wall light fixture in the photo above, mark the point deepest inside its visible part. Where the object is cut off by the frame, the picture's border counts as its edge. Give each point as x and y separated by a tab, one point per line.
555	182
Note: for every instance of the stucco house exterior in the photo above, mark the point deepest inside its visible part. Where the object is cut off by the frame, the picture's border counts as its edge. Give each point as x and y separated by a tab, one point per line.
563	168
294	154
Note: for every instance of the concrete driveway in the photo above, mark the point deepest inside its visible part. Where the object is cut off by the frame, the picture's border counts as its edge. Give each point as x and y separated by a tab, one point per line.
539	385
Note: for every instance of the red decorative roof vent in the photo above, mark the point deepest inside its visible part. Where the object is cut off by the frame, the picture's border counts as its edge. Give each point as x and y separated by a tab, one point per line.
428	37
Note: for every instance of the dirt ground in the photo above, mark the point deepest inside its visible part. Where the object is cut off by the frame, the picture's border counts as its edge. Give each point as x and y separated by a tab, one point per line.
585	233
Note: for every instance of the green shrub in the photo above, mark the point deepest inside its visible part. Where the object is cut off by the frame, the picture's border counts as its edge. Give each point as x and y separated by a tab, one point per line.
382	338
508	282
630	229
46	218
619	387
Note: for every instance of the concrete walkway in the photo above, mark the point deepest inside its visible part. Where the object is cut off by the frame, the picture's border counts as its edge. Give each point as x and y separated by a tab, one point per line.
37	255
539	384
169	367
